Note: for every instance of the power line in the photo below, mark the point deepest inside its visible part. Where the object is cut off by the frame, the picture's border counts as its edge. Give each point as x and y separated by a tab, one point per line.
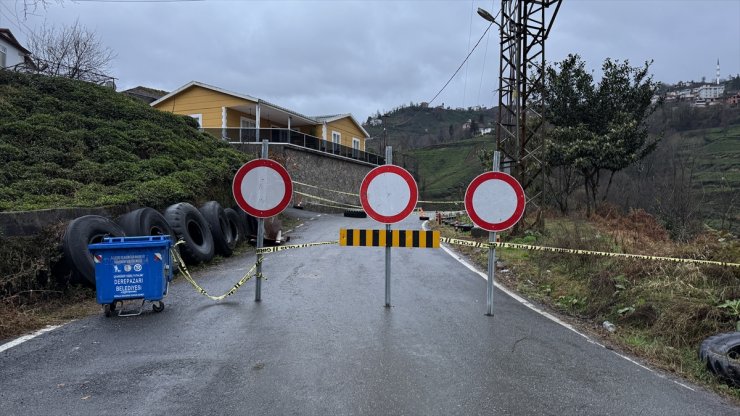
485	55
467	67
138	1
463	63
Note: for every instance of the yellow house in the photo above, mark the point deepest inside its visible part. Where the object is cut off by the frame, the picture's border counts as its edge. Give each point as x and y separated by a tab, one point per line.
241	118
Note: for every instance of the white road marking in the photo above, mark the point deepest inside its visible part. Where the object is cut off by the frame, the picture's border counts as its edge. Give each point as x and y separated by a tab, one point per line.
28	337
540	311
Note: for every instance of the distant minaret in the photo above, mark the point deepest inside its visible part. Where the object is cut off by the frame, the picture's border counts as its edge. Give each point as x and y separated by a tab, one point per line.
717	71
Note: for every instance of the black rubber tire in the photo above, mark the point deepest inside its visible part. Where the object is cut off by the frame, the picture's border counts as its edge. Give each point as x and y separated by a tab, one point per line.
721	354
214	214
235	225
107	310
81	232
252	225
464	227
355	213
158	306
189	225
245	220
145	222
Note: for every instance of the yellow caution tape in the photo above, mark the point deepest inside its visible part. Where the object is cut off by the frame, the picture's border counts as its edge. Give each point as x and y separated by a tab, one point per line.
358	195
327	200
440	202
184	270
476	244
292	246
325	189
324	205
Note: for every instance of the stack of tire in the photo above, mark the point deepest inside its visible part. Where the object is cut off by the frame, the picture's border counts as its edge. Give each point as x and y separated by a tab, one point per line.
355	213
207	231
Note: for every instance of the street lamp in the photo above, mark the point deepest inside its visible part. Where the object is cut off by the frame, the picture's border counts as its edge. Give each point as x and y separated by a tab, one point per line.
484	14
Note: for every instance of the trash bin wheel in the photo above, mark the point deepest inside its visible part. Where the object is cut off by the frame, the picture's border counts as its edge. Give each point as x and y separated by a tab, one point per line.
158	306
107	310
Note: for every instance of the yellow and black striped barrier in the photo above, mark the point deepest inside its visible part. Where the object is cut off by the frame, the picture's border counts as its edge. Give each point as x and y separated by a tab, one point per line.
389	238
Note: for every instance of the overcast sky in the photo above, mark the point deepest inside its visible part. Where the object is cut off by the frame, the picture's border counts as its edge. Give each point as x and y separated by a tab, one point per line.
328	57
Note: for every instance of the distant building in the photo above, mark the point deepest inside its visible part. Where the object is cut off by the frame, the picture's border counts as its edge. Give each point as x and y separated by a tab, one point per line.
424	104
12	54
733	99
710	92
685	94
466	125
376	122
148	95
485	130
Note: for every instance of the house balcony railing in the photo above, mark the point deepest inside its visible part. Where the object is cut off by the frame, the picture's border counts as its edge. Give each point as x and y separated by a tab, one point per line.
297	138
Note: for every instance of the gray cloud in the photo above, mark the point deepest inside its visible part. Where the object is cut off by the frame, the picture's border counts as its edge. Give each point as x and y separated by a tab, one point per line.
322	57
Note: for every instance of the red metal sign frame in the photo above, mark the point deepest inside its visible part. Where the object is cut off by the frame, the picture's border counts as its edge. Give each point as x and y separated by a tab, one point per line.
413	191
520	201
241	201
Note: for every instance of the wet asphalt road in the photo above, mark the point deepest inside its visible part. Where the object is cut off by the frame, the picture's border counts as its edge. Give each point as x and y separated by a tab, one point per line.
322	343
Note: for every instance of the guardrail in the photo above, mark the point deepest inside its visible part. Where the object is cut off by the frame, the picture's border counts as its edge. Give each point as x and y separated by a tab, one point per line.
279	135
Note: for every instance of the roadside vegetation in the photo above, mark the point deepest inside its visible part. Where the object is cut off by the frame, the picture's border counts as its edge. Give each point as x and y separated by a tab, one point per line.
662	310
68	143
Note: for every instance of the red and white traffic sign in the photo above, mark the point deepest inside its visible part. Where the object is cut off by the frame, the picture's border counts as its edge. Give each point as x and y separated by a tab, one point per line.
388	194
262	188
495	201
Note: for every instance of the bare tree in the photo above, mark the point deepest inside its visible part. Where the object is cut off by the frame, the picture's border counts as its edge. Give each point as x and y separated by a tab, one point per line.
30	7
71	52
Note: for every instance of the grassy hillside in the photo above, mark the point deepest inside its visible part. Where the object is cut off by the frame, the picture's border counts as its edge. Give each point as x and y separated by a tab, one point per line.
414	126
446	170
716	159
692	178
67	143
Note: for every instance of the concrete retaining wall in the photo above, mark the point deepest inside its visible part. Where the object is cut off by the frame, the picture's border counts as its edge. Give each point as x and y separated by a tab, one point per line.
324	170
20	223
307	166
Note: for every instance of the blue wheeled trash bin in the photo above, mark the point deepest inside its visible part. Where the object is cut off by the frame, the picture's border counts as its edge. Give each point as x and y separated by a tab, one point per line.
132	268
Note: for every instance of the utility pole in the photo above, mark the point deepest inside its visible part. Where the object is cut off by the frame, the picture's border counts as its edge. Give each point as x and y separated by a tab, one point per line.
524	26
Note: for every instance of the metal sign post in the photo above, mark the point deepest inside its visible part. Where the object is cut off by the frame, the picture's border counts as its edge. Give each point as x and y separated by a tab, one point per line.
492	250
494	202
262	188
260	239
388	161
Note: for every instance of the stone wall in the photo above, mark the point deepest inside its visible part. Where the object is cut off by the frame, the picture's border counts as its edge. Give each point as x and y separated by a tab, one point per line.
323	170
23	223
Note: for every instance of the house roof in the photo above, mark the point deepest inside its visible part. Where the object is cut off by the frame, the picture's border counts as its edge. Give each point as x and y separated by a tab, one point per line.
233	94
313	120
335	117
146	92
7	36
206	86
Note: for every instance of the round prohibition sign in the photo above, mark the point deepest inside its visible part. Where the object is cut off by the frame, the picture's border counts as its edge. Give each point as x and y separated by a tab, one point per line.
495	201
389	194
262	188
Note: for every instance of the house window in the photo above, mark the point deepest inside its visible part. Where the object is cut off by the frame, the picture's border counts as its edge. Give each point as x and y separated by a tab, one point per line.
355	147
3	54
198	117
336	139
247	130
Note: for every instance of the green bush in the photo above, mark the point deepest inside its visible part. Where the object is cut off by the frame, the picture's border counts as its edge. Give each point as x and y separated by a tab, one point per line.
69	143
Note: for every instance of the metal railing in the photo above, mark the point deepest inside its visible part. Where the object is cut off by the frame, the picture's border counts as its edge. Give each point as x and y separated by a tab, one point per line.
279	135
